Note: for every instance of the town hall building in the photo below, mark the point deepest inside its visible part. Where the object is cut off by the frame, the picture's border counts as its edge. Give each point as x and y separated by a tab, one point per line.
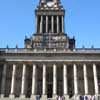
49	67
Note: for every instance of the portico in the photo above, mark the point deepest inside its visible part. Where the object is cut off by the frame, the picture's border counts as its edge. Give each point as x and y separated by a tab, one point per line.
49	68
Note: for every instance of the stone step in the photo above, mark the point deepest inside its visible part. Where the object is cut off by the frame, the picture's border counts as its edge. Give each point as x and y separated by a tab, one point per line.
15	99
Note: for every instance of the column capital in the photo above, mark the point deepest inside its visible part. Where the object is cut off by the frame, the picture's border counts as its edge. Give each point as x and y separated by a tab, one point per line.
84	64
64	64
54	65
44	65
94	64
34	65
24	64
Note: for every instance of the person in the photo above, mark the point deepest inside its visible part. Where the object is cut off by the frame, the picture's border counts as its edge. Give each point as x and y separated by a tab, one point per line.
92	97
59	98
63	98
38	97
81	97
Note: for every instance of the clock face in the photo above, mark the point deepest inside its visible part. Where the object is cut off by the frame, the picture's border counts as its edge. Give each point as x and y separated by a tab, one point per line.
50	3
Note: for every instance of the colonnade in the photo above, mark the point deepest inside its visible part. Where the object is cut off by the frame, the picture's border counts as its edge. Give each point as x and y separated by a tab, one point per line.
44	92
59	24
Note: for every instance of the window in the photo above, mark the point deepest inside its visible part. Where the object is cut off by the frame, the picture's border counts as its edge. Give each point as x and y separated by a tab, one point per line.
49	0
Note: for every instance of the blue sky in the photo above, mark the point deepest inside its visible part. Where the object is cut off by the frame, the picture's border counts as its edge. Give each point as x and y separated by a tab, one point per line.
82	20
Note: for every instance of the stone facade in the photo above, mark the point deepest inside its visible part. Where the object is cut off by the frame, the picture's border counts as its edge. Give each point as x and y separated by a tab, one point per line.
49	66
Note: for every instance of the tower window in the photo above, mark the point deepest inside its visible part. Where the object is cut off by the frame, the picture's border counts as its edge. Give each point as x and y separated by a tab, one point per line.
49	24
44	24
60	23
55	24
49	0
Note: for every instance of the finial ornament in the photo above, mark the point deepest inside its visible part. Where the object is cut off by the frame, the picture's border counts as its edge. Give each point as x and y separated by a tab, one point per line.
7	46
25	37
83	47
16	46
92	46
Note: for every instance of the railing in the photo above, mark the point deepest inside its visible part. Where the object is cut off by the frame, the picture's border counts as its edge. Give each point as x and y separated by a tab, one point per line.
51	50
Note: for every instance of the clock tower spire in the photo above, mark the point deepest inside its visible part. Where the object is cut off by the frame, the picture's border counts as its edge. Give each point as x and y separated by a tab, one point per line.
50	28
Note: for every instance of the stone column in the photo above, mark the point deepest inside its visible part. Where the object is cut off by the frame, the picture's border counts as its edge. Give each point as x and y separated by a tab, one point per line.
57	24
3	80
54	81
95	79
33	82
13	82
36	24
65	82
41	24
52	24
44	96
46	24
44	80
62	24
23	81
65	79
85	79
75	80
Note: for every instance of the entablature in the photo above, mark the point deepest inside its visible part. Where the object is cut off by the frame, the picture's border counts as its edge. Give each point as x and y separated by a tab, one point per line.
49	50
46	54
50	12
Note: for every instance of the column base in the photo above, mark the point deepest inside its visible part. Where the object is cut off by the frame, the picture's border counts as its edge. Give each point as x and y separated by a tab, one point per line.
66	97
55	96
33	97
44	97
2	95
11	96
76	97
97	97
22	96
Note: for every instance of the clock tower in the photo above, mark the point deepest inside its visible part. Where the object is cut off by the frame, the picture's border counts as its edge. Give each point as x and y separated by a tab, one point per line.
50	28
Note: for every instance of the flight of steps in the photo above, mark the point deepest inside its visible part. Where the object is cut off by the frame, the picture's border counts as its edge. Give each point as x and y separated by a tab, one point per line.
51	99
72	98
15	99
